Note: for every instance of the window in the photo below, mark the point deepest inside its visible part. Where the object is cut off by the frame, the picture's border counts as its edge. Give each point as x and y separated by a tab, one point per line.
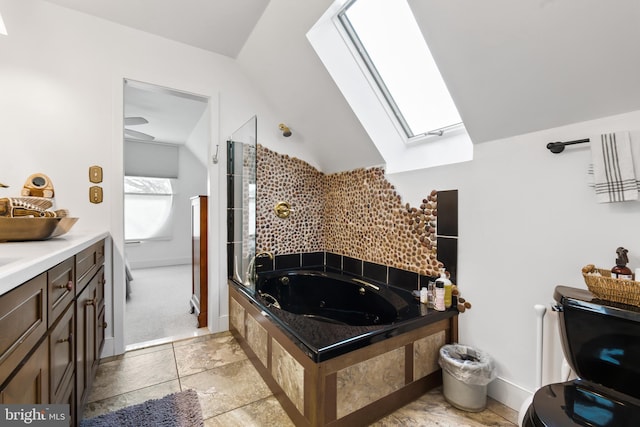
147	208
386	36
403	147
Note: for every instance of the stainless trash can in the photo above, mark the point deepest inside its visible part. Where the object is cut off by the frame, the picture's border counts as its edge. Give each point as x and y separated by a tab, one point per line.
466	372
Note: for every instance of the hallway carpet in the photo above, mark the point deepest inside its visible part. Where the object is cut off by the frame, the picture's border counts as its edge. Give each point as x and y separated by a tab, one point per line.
158	307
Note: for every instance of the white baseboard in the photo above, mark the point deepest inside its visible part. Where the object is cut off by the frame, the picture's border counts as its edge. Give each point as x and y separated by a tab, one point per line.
219	324
508	393
108	348
158	263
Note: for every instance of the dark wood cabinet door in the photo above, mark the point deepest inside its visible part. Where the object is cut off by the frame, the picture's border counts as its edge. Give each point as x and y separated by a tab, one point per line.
30	384
62	355
87	355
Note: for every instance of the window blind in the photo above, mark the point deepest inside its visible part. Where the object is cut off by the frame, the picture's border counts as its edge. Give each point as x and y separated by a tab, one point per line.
150	159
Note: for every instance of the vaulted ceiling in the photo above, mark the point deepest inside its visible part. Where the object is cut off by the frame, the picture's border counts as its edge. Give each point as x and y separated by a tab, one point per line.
511	67
221	26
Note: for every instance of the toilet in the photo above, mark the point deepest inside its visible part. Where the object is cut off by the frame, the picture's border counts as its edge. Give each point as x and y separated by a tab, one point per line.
601	343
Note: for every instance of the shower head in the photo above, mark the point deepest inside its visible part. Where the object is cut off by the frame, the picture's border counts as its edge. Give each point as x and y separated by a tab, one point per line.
286	132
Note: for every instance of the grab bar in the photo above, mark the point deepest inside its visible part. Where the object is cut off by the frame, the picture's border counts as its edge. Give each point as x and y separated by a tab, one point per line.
362	282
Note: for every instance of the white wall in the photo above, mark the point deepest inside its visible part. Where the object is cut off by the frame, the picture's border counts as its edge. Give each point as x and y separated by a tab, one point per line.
61	75
527	222
197	141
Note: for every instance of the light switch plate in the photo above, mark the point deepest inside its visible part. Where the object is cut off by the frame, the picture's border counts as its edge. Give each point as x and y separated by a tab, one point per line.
95	194
95	174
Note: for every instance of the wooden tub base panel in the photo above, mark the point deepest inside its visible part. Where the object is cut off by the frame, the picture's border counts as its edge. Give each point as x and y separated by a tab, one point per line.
356	388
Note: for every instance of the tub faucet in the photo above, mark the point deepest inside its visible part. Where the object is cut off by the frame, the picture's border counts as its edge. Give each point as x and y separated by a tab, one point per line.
252	276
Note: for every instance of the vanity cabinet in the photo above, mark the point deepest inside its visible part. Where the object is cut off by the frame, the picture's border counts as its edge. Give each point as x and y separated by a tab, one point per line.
53	332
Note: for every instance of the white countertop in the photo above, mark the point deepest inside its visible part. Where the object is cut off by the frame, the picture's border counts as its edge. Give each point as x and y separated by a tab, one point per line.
21	261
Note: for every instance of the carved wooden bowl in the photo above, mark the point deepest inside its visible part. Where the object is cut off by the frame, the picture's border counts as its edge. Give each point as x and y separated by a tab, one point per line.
27	228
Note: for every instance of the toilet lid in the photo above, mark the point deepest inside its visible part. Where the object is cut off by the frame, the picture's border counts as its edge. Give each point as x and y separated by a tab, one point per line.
578	403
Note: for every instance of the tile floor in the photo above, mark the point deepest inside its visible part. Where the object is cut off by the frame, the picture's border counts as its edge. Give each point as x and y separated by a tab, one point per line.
232	393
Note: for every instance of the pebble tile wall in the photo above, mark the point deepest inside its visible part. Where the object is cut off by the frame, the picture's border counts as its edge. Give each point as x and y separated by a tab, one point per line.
356	213
282	178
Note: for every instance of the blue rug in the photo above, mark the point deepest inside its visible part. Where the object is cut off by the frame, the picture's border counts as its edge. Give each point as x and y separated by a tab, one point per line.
181	409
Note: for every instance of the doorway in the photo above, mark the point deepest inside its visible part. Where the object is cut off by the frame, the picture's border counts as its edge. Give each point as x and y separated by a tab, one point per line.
166	136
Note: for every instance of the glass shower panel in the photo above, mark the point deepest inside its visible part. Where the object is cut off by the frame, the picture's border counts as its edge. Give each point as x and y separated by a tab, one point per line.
241	203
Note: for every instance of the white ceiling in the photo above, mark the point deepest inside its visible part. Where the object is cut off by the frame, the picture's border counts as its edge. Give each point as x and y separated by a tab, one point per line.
171	115
220	26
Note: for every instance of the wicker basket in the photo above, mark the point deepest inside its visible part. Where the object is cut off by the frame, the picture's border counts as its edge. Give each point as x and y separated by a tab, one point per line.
608	288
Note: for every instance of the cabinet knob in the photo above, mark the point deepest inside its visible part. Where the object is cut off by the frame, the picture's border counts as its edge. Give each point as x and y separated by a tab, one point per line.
104	325
68	285
92	301
67	339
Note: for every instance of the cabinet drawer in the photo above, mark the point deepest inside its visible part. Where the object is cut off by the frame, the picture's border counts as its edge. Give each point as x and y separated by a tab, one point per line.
23	322
61	286
87	262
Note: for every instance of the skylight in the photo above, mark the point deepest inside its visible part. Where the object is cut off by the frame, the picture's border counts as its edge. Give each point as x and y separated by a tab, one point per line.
389	41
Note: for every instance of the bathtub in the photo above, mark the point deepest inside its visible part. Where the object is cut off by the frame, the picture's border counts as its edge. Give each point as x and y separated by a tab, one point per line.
336	349
332	298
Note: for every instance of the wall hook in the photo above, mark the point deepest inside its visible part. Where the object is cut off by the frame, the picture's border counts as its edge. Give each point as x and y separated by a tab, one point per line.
215	156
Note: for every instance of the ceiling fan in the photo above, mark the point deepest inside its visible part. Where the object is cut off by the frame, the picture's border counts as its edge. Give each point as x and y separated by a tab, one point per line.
132	121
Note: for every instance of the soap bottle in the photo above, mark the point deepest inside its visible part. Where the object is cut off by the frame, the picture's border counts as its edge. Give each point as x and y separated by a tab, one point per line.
424	295
431	294
439	303
620	270
447	285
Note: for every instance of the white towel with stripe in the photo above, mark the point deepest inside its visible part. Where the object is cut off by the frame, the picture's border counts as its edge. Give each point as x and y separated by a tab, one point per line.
615	164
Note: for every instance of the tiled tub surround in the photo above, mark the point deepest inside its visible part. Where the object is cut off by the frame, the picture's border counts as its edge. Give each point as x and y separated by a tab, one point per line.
328	261
382	371
356	213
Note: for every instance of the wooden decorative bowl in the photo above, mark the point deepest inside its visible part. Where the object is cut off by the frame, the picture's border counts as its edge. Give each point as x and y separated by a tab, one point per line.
26	228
